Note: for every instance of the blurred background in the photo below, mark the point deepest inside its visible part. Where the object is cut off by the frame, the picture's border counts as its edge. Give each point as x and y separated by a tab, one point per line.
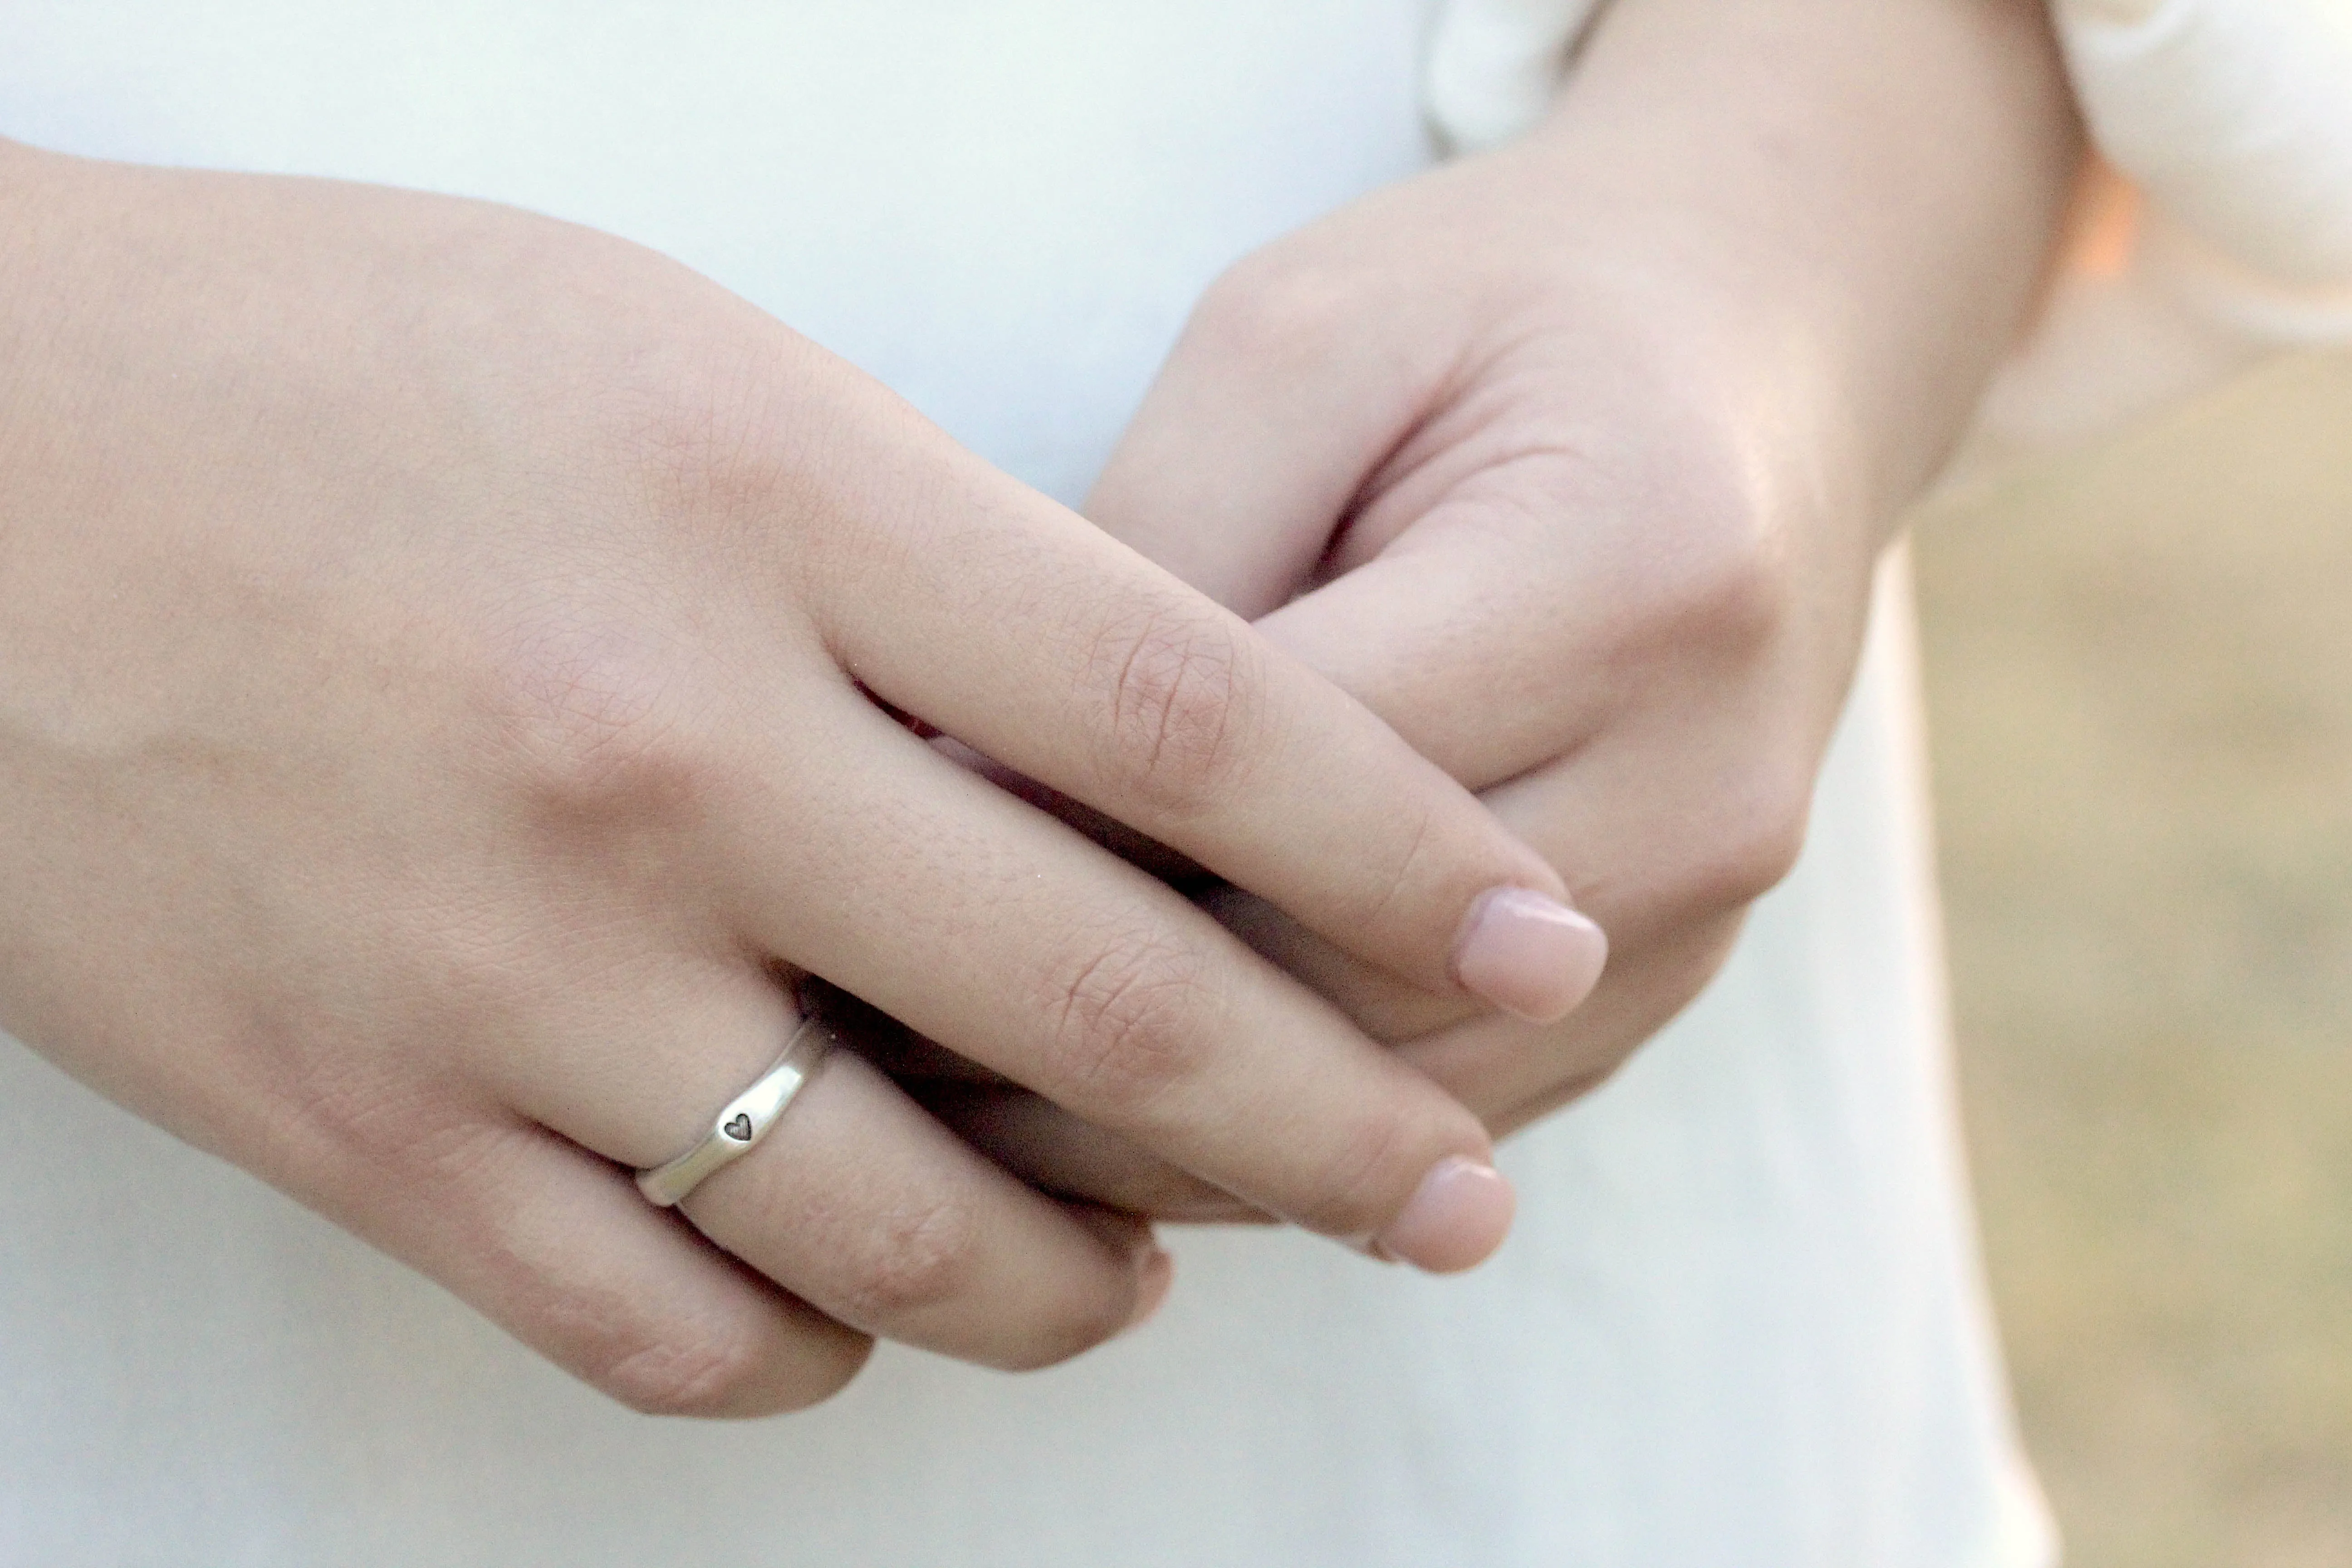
2139	663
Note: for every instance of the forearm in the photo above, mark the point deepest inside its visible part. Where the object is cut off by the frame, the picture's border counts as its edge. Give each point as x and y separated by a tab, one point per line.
1859	195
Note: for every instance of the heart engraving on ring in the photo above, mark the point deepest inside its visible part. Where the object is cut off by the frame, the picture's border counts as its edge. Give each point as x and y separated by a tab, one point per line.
740	1129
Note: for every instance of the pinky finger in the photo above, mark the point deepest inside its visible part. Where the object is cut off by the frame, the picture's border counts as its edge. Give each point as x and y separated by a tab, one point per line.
558	1247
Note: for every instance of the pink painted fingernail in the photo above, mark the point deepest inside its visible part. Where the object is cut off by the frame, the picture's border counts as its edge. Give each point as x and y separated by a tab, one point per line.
1458	1215
1159	1273
1532	956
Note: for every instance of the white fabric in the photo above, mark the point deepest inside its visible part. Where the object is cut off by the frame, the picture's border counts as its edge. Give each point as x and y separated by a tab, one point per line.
2233	116
1495	65
1740	1323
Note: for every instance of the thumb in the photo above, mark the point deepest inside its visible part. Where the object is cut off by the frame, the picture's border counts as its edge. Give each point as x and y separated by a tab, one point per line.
1270	424
1458	636
1248	451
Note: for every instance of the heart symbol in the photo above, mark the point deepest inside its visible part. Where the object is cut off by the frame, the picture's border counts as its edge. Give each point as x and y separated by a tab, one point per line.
740	1129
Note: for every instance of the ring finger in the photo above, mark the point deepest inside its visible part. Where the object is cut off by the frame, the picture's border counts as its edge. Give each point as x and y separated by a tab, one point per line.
856	1201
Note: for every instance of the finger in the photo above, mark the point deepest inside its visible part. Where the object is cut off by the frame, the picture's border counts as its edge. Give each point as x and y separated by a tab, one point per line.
558	1247
867	1207
1248	452
1251	479
1478	649
1688	850
1379	1004
1691	801
855	1201
1004	936
1038	641
1667	857
1508	1073
1057	1153
889	1045
1243	476
1514	1073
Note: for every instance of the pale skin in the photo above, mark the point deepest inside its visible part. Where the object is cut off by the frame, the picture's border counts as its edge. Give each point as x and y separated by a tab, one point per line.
424	824
1573	461
443	665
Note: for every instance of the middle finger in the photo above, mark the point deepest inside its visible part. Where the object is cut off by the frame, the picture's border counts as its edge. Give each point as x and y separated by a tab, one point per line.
983	924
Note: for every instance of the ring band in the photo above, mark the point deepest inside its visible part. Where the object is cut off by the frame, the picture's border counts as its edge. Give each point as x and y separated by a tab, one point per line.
741	1123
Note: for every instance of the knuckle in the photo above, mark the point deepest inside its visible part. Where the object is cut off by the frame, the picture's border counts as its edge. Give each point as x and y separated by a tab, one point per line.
712	444
704	1372
1264	311
917	1255
702	1375
601	722
1714	571
434	1149
1360	1189
341	1123
1756	842
1126	1021
1184	691
1726	584
1689	973
1419	853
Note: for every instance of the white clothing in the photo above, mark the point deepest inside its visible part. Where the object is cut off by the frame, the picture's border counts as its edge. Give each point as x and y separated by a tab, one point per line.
2234	117
1741	1323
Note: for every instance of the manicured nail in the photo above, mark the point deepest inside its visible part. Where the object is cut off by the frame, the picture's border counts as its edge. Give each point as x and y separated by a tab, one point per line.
1158	1274
1533	957
1458	1215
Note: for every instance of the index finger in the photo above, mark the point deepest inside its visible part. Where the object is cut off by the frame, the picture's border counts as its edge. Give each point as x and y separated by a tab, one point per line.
1015	625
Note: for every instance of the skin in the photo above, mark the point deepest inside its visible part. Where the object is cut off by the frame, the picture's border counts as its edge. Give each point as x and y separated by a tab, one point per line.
1573	461
455	677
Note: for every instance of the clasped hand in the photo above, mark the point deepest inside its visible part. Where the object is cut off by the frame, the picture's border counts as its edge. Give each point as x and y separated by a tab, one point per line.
458	674
460	677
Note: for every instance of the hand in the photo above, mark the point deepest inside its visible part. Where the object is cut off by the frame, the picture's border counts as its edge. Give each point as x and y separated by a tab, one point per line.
1573	460
442	658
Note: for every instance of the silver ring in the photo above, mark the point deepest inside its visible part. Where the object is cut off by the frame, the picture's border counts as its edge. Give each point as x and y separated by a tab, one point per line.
741	1122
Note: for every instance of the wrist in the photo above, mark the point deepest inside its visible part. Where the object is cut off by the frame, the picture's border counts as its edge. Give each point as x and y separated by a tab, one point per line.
1867	194
1741	388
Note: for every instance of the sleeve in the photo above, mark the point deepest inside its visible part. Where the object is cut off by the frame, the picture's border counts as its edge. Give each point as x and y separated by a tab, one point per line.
2215	229
2219	228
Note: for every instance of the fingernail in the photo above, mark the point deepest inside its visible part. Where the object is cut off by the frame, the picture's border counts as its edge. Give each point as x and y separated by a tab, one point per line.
1159	1273
1532	956
1458	1215
1457	1219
